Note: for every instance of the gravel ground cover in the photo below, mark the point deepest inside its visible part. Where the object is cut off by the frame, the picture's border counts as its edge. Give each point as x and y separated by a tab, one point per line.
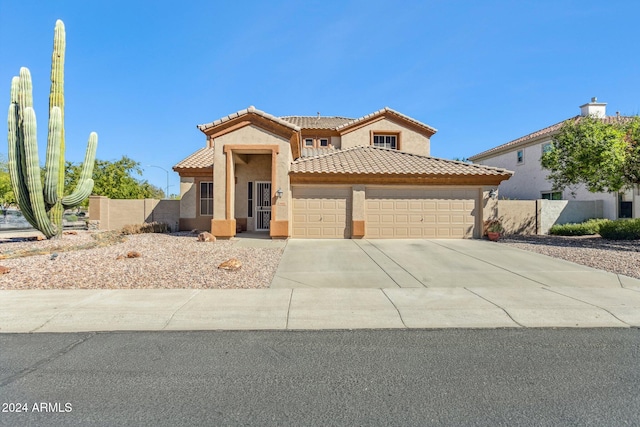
175	260
178	260
614	256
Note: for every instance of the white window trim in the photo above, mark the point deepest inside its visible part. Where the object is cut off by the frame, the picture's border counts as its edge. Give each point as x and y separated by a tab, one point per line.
385	135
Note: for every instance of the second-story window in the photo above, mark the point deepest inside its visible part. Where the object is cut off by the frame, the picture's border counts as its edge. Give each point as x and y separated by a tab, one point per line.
385	141
316	142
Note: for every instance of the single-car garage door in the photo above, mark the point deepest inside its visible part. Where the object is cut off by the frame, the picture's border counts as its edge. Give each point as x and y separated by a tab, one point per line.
397	213
322	212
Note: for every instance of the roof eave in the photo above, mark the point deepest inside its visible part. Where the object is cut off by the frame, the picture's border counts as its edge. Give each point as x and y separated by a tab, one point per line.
399	179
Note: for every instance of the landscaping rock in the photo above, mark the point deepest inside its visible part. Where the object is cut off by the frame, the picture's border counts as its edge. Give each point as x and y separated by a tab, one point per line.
70	233
119	257
232	264
133	254
206	237
4	270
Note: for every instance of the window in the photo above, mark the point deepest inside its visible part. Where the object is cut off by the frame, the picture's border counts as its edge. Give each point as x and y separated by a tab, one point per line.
552	195
546	147
385	141
316	142
625	207
250	200
206	198
520	156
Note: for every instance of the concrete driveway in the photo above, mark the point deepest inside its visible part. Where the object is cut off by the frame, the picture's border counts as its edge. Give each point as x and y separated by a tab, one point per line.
428	264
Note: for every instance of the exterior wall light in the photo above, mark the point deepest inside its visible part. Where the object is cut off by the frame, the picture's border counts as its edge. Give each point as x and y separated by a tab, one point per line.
493	193
279	193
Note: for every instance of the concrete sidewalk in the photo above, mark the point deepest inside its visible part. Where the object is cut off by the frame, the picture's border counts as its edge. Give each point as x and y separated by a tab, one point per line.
308	309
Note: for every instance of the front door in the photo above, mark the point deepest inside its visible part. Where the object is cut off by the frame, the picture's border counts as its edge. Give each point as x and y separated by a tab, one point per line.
263	205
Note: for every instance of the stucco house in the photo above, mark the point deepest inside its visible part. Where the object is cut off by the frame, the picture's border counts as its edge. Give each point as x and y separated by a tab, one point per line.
522	155
331	177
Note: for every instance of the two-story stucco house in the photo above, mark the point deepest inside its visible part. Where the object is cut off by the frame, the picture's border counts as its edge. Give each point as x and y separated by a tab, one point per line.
522	155
331	177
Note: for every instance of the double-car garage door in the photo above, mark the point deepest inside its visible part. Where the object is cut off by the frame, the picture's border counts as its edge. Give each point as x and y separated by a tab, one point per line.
416	213
390	212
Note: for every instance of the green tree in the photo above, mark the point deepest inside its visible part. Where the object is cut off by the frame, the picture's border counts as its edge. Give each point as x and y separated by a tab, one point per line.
603	155
116	180
6	191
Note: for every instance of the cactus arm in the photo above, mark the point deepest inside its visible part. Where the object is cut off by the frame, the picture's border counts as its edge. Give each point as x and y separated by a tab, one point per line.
16	154
52	165
82	191
56	99
25	90
85	183
32	175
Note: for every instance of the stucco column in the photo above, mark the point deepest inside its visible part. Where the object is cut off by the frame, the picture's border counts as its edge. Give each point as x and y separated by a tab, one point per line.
358	214
489	207
279	224
225	228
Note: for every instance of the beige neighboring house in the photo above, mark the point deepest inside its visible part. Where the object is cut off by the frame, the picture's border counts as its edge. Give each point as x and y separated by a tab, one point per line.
522	155
331	177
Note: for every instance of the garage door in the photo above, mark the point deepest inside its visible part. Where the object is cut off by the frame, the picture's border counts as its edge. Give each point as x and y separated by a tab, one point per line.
420	213
322	212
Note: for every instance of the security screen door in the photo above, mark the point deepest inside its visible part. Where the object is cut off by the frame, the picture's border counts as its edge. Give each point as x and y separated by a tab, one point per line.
263	205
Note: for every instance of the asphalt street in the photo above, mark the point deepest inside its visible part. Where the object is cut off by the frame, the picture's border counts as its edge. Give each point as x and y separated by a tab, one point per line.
523	377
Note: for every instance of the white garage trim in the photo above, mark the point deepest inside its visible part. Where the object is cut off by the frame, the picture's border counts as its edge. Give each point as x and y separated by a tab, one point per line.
436	213
321	212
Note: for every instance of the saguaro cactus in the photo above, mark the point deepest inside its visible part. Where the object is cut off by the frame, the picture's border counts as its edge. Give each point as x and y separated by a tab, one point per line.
43	205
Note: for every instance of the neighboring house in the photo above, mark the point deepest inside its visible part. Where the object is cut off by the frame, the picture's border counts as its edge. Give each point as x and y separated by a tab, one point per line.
331	177
530	181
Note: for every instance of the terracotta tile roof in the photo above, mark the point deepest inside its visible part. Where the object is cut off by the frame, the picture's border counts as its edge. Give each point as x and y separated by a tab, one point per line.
392	112
374	160
313	152
314	122
546	132
203	158
249	110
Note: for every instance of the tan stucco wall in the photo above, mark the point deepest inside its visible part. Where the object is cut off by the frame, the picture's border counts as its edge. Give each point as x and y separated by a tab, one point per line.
411	141
489	210
188	199
115	214
518	216
358	202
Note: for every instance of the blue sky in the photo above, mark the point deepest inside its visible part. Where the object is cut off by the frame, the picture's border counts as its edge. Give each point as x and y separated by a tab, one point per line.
143	74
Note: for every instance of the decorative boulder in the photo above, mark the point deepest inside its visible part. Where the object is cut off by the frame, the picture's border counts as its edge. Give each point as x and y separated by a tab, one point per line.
133	254
206	237
4	270
232	264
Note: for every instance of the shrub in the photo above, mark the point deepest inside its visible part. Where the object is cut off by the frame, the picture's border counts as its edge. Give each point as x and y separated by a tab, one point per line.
622	229
587	228
148	227
493	225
